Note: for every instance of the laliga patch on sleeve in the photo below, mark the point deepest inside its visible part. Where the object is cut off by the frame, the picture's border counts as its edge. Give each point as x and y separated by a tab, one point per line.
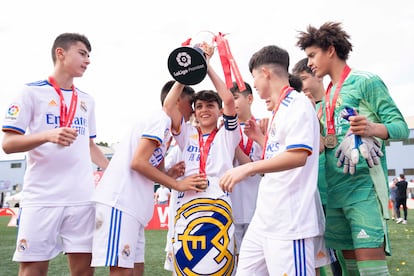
13	111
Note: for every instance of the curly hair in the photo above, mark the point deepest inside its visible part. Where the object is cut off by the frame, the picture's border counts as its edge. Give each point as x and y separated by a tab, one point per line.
329	34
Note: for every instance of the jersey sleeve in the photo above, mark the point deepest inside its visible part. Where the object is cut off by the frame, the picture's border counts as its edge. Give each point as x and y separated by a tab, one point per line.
158	128
381	108
302	124
19	112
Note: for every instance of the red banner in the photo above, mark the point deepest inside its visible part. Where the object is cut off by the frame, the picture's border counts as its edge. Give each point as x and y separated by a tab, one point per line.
159	220
8	211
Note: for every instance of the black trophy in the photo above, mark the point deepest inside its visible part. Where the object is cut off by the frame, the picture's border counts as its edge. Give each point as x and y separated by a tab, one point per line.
187	64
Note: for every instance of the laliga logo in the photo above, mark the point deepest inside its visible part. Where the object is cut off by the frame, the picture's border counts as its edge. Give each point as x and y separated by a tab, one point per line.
13	110
183	59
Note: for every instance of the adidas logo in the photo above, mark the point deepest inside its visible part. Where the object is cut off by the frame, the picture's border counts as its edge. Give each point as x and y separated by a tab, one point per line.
320	255
52	103
362	234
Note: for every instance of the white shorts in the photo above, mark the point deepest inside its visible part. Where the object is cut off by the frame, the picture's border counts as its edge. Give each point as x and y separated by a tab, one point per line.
44	232
323	256
169	261
118	239
261	255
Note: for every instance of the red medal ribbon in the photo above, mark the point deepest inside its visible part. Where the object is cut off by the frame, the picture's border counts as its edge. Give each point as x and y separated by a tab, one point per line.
285	90
249	143
205	148
228	63
66	117
319	112
330	108
187	42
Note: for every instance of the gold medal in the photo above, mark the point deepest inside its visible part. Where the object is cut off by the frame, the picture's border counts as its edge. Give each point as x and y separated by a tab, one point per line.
330	141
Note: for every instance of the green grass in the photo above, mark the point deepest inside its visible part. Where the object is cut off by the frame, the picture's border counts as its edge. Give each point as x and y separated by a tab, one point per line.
400	263
154	254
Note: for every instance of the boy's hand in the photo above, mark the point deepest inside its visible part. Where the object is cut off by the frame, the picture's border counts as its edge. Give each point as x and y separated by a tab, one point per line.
232	177
264	124
370	149
63	136
253	130
195	182
348	152
177	170
207	49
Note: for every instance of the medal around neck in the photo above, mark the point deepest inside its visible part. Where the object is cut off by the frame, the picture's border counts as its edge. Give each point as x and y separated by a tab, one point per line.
330	141
187	64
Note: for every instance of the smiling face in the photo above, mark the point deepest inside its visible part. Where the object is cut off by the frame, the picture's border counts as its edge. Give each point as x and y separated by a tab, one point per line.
207	114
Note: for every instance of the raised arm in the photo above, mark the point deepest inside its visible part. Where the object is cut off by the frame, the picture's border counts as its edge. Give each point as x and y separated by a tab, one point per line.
229	107
170	105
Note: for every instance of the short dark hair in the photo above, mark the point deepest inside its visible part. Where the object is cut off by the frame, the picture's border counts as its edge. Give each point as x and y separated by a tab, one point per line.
329	34
269	55
187	90
246	91
66	40
208	96
301	66
295	82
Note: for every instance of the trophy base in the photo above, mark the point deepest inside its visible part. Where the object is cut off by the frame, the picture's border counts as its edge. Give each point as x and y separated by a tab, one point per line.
187	65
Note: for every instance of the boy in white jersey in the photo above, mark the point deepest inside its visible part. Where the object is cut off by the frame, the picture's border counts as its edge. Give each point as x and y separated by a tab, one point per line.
124	196
357	206
55	123
313	87
279	240
244	195
203	240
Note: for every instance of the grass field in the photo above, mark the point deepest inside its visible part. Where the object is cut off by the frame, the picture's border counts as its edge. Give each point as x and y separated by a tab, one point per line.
400	263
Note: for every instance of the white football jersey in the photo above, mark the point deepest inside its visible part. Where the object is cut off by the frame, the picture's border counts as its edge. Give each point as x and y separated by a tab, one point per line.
244	194
204	226
219	160
286	207
55	175
124	188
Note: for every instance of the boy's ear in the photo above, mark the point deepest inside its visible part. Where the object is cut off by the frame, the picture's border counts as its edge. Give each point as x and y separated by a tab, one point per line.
265	71
59	52
250	98
331	51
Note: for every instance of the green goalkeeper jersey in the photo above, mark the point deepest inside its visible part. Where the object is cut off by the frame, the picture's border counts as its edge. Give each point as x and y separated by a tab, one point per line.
368	94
